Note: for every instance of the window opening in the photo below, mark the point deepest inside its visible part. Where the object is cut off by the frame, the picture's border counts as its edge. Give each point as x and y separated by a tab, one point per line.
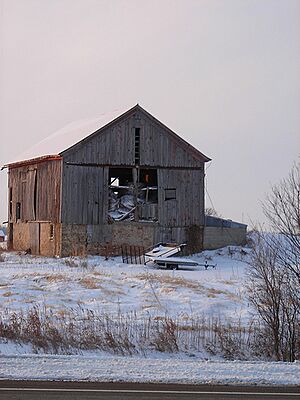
137	138
18	211
132	194
170	194
34	197
10	204
121	194
51	232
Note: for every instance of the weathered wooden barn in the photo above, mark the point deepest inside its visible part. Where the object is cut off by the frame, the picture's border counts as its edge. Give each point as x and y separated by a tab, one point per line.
123	179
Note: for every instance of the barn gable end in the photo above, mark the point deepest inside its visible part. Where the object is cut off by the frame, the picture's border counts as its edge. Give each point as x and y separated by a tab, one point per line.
115	144
133	181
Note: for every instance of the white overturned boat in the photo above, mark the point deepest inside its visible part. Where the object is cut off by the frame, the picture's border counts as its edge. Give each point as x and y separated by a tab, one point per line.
161	254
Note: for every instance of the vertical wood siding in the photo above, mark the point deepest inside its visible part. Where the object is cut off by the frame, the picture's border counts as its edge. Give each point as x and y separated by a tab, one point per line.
188	207
84	194
114	145
43	177
86	166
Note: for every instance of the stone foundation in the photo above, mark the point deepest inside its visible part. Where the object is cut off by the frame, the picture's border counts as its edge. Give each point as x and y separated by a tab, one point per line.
79	240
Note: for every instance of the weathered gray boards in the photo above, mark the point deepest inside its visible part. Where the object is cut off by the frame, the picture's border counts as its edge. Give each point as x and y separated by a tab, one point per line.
132	181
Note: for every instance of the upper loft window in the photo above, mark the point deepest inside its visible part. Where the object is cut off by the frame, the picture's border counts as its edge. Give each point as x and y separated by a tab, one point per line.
18	211
170	194
137	143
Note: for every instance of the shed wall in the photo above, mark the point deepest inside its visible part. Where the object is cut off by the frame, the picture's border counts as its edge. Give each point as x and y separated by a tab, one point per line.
44	179
215	238
36	189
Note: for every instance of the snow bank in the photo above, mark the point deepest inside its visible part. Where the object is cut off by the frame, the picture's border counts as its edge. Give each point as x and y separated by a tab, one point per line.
138	369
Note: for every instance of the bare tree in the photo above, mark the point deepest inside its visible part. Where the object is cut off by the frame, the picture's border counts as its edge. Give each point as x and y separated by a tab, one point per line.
212	212
274	294
274	284
282	208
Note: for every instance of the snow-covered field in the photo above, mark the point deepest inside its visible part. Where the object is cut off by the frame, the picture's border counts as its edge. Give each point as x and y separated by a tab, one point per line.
114	288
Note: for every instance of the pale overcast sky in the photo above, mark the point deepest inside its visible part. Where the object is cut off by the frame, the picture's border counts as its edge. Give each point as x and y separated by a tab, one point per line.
223	74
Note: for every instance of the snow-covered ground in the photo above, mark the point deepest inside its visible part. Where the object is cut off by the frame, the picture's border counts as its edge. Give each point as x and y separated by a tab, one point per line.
138	369
113	287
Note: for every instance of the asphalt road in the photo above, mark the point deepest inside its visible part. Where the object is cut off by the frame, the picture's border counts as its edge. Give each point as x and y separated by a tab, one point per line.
29	390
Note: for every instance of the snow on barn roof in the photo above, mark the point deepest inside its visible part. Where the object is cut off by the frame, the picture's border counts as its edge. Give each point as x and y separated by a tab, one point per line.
61	140
54	145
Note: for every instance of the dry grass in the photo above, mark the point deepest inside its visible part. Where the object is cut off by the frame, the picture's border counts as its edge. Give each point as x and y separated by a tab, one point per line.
77	262
174	281
4	285
113	292
56	278
90	283
28	275
227	282
71	331
211	292
102	273
7	294
37	288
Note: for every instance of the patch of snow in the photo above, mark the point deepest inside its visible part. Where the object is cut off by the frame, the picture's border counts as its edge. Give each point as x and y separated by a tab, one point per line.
139	369
68	136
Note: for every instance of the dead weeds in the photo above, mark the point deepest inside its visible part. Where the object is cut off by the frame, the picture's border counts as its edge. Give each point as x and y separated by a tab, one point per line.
90	283
55	278
7	294
174	281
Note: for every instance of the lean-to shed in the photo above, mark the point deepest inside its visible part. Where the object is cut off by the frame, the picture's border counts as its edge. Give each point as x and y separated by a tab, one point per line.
124	178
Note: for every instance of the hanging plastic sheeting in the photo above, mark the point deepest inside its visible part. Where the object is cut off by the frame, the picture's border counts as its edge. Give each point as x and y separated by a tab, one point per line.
121	208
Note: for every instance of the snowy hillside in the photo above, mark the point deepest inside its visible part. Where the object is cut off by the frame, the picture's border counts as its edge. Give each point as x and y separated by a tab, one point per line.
114	287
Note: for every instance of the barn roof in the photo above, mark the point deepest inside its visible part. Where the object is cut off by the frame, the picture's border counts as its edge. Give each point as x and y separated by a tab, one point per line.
53	146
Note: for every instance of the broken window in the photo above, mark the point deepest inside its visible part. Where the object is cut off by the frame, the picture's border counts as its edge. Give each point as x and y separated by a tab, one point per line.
121	194
148	185
18	211
170	194
132	194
